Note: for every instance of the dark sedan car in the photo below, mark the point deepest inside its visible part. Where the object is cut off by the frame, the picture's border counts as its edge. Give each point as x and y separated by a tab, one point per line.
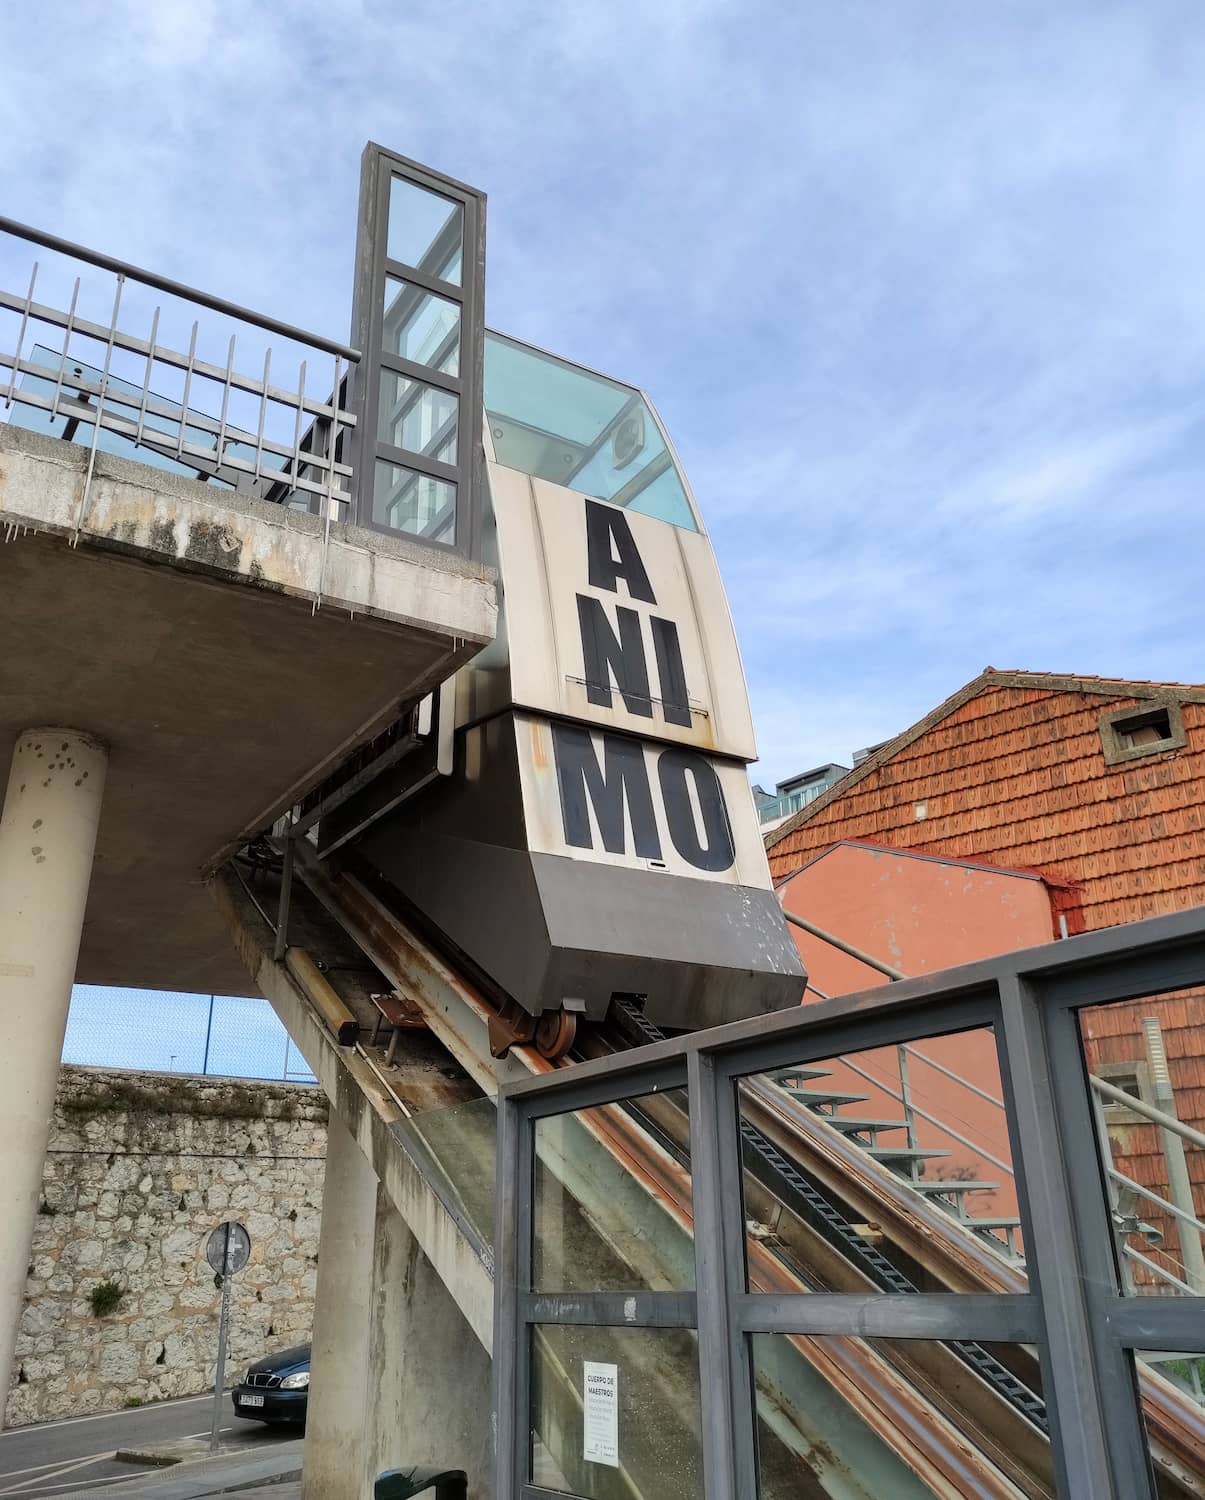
275	1388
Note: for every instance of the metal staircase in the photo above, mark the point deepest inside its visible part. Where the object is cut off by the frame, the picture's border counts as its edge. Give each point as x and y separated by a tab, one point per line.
903	1156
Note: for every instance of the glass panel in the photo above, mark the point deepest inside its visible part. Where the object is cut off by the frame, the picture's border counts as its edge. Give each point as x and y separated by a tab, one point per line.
421	327
559	422
425	230
633	1429
405	500
850	1416
598	1227
1152	1052
419	417
884	1170
459	1144
1172	1388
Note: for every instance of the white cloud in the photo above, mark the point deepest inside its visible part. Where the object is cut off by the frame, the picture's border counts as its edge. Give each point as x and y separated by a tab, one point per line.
917	289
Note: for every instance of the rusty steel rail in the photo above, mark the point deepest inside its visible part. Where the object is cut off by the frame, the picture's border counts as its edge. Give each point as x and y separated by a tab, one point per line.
871	1385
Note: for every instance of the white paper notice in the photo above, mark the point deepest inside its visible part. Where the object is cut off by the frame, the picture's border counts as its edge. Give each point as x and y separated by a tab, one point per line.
600	1413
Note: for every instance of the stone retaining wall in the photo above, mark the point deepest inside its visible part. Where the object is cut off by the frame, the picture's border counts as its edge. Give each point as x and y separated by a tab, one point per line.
140	1167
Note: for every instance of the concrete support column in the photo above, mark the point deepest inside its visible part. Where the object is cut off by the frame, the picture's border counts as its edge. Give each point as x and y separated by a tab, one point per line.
334	1436
429	1397
47	838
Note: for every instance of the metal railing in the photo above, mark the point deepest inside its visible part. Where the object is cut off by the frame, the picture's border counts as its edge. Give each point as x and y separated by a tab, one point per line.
914	1111
787	803
1117	1429
201	406
1187	1273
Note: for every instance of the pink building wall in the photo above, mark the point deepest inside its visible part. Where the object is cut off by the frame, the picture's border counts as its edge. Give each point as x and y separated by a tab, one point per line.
919	914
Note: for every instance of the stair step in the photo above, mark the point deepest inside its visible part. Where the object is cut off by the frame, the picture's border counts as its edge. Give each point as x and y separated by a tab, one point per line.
784	1075
852	1123
992	1223
953	1185
901	1153
814	1098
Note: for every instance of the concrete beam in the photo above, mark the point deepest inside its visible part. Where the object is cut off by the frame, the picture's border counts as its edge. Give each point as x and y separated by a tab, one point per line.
339	1358
158	517
367	1109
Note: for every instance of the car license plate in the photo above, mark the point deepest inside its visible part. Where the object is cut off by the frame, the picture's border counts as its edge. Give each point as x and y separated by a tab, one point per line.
250	1400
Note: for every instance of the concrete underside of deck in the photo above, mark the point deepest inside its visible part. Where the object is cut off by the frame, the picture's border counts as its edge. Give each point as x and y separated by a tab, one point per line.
176	622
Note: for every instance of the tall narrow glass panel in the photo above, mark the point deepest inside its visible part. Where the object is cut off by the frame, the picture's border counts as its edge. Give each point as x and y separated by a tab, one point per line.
426	230
421	327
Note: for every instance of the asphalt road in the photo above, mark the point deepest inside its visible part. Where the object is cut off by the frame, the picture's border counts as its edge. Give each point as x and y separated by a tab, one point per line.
52	1458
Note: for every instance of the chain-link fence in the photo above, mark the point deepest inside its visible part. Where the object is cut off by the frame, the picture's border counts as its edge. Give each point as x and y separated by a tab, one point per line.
165	1031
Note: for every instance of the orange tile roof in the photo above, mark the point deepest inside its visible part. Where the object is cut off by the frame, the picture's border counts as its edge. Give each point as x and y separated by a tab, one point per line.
1011	770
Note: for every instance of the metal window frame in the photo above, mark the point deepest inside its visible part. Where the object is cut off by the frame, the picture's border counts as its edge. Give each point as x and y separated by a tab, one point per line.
1074	1311
373	265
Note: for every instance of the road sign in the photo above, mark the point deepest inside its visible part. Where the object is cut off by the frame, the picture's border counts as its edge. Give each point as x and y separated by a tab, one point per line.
228	1248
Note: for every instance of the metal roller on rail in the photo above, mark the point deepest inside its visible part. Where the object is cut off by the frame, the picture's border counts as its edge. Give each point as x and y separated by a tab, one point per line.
573	822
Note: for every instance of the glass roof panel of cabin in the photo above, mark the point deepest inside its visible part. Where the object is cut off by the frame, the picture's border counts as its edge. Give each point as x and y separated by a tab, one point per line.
560	422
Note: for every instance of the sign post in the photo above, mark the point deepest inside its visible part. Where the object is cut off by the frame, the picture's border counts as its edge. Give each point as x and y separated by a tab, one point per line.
227	1250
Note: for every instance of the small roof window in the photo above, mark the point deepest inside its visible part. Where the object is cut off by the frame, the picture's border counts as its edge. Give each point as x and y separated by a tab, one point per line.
1131	733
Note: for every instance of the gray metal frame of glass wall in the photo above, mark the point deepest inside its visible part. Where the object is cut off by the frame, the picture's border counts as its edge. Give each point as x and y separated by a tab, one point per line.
465	385
1074	1312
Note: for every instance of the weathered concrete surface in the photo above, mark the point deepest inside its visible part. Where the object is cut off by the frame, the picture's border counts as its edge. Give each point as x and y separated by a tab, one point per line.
153	516
181	632
429	1395
47	835
335	1423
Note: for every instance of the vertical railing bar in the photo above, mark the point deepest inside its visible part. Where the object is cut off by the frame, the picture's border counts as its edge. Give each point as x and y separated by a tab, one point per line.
225	398
1106	1157
330	488
1095	1426
67	332
281	944
100	414
716	1382
297	425
192	355
12	384
909	1112
263	408
146	379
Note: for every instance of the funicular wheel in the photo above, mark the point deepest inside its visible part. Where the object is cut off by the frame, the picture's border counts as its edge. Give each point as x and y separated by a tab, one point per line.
555	1031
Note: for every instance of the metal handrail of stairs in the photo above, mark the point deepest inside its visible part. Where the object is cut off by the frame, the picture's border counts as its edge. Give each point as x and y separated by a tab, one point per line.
1192	1264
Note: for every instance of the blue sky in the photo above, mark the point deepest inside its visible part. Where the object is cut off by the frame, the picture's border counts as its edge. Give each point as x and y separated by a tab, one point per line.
917	287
